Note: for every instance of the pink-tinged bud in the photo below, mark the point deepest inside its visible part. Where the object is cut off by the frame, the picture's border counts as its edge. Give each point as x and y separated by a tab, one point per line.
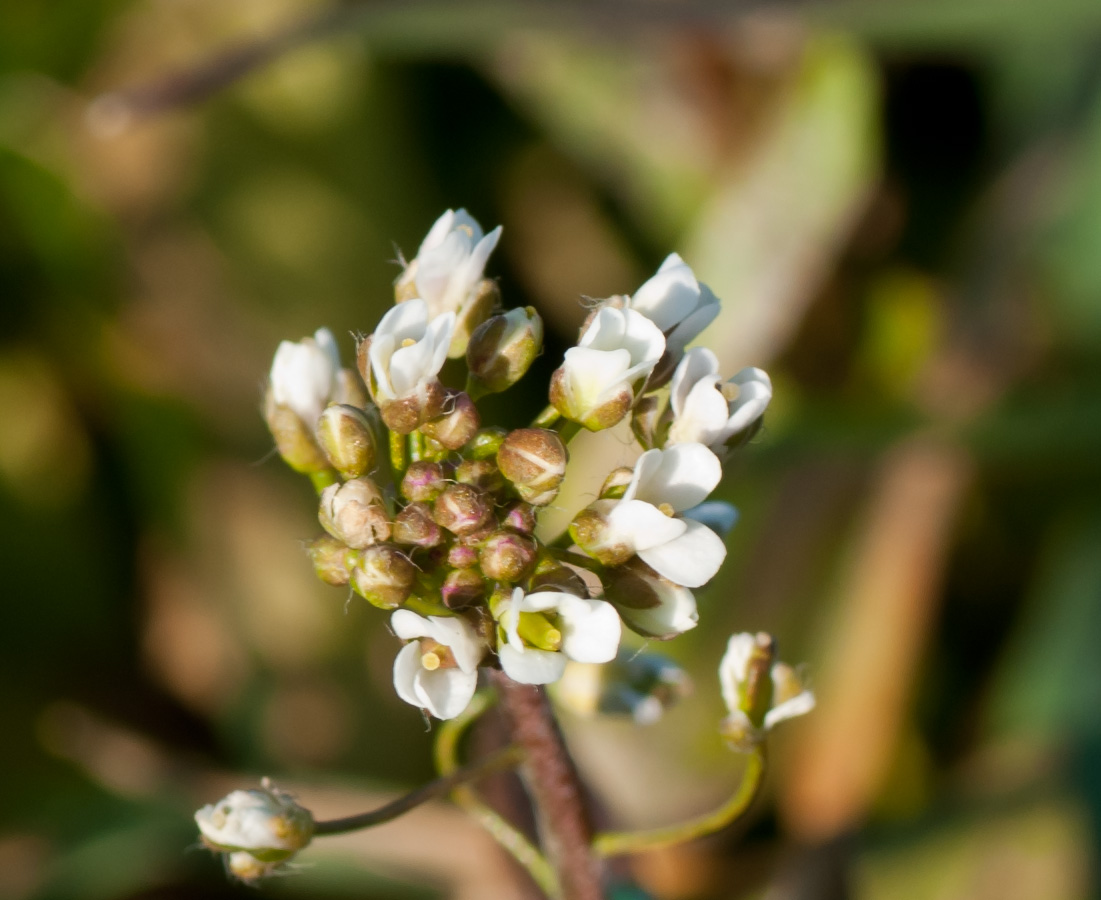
353	512
615	485
462	510
424	481
519	517
486	443
457	423
332	560
503	348
294	439
645	421
348	389
591	532
480	473
344	433
462	588
534	460
414	525
462	556
507	556
384	576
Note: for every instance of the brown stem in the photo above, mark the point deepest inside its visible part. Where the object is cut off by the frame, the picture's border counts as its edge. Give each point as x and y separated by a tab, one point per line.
556	791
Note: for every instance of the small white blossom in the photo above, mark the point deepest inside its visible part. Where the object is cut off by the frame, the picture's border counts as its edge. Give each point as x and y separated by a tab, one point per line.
542	630
267	823
755	708
649	604
595	385
304	375
709	412
677	303
407	351
438	669
448	269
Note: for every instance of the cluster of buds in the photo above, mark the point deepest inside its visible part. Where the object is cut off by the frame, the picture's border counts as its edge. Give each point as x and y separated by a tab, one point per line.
431	514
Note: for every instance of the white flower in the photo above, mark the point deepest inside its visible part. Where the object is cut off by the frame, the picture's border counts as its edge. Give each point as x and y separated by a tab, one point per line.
709	412
595	385
677	303
753	708
644	520
303	375
448	269
539	632
649	604
438	669
267	823
407	351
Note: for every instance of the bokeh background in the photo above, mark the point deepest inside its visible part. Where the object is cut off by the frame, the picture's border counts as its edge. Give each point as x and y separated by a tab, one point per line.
900	205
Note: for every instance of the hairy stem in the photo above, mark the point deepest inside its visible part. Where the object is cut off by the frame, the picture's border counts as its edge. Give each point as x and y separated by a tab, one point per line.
617	843
555	788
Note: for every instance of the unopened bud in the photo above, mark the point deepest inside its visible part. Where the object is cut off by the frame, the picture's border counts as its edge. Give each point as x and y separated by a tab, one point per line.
507	556
534	460
462	509
485	298
486	443
245	867
456	424
294	439
414	525
332	560
462	588
551	575
348	389
462	556
591	531
615	485
503	348
344	433
406	415
649	604
384	576
423	481
755	691
519	517
645	419
353	512
266	823
480	473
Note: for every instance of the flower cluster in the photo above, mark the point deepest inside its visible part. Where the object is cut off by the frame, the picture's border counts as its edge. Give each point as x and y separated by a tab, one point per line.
430	513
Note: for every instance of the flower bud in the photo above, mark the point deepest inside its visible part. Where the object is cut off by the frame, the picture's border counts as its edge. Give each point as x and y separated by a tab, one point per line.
332	560
616	483
507	556
267	823
353	512
649	604
457	422
423	481
414	525
645	419
462	509
462	556
519	517
247	868
462	588
503	348
486	443
534	460
480	473
348	389
344	433
592	532
384	576
294	439
550	575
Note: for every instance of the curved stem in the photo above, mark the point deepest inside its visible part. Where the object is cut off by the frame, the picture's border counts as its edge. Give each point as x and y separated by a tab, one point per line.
617	843
505	759
510	838
546	418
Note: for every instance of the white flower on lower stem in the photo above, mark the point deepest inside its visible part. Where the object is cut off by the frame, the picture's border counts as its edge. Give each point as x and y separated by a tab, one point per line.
304	375
645	520
448	269
706	410
438	669
595	385
649	604
266	823
759	691
677	303
407	351
540	631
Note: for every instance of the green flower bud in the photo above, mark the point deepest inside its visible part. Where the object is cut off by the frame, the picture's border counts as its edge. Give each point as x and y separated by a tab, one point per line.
534	460
503	348
480	473
353	512
462	509
414	525
424	481
332	560
457	422
344	433
384	576
294	439
506	556
486	443
591	532
616	483
645	419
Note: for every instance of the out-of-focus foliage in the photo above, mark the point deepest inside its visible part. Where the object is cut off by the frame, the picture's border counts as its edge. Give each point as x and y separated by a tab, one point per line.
900	205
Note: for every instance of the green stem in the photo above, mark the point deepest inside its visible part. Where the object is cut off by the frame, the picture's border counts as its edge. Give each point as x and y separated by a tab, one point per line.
618	843
546	418
397	455
505	759
416	447
322	478
511	839
568	430
422	606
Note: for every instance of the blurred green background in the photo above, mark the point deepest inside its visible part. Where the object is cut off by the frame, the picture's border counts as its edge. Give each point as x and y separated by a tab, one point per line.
900	206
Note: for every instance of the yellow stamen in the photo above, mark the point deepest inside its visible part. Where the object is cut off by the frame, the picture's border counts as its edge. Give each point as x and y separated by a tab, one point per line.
430	661
667	508
408	342
730	392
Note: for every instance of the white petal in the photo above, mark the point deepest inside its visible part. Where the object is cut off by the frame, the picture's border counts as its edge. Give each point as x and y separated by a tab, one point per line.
675	614
694	323
698	363
408	365
670	295
531	666
541	601
754	395
718	515
590	375
440	330
691	559
734	667
407	665
590	629
704	415
463	219
379	355
645	467
458	634
796	706
686	475
437	268
446	692
405	320
439	230
643	338
408	626
641	525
